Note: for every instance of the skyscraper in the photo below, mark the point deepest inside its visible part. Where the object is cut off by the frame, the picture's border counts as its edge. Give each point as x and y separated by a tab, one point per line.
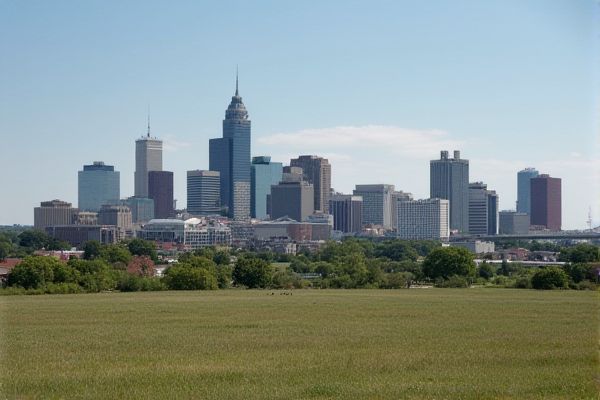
423	219
54	212
347	212
98	184
449	179
148	157
546	202
142	208
513	223
160	189
203	192
292	197
377	204
396	197
317	172
264	174
524	189
230	155
483	210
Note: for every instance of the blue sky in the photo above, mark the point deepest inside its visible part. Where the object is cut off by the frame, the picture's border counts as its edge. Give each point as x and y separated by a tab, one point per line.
379	87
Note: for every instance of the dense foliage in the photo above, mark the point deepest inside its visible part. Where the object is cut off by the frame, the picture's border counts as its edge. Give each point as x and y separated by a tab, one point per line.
352	263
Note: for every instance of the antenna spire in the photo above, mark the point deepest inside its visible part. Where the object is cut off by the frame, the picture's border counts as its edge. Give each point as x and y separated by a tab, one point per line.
148	121
236	81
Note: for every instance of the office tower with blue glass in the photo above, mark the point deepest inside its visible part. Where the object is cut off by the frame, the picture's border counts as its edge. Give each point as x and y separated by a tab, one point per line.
230	156
263	175
203	192
524	189
449	179
98	184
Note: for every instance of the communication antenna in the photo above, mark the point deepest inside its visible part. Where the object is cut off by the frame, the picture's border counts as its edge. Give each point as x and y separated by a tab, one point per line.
589	220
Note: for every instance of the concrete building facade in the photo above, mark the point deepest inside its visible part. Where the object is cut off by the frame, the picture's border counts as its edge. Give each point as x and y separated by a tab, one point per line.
377	204
317	172
483	210
293	199
148	157
449	179
347	212
426	219
54	212
513	223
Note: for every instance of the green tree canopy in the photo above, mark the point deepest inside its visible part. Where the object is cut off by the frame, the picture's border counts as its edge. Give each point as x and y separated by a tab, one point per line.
550	278
92	249
252	272
445	262
140	247
581	253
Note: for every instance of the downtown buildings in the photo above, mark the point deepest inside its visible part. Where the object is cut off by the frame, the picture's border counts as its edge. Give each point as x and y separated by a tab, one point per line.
546	202
203	192
148	157
317	172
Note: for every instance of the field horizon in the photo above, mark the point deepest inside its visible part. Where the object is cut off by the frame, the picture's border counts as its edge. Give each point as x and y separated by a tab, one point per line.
320	344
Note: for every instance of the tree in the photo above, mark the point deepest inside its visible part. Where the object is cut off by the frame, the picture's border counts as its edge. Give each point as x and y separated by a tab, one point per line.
186	277
5	249
140	247
92	249
33	272
113	253
582	253
445	262
550	278
141	266
33	239
486	271
252	272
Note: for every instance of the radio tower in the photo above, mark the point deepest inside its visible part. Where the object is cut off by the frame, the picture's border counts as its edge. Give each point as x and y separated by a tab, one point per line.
589	220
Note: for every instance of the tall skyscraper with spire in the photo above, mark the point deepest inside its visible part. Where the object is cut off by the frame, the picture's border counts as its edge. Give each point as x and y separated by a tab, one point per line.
148	157
230	155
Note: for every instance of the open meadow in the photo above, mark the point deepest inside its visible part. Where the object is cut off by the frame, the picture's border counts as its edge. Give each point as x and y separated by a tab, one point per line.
312	344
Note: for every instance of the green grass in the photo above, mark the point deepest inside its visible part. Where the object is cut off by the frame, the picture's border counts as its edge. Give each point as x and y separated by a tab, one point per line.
314	344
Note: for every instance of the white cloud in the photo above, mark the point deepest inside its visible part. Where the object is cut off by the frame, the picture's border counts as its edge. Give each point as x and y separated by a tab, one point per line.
412	143
171	144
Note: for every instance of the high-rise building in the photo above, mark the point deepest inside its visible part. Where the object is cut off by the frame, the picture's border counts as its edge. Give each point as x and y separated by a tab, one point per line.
546	202
98	184
160	189
317	172
264	174
203	192
53	213
377	204
524	189
117	215
449	179
483	210
396	197
423	219
148	157
347	212
142	208
292	197
513	223
230	155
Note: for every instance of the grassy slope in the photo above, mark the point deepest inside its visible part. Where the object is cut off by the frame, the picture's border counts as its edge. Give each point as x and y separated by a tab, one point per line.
432	343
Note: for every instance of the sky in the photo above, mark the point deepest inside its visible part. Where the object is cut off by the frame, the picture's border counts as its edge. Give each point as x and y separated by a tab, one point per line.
377	87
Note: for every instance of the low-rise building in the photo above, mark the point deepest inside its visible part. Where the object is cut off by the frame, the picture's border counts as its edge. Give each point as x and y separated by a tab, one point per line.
192	233
477	246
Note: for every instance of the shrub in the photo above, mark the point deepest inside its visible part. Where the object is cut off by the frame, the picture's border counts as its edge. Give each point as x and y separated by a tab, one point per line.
550	278
454	281
186	277
252	272
523	282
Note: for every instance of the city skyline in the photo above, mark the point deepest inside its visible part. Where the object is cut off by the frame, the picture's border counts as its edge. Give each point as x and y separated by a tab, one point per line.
384	119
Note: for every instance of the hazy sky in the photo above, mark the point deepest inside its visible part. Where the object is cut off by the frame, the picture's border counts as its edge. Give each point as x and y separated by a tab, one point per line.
378	87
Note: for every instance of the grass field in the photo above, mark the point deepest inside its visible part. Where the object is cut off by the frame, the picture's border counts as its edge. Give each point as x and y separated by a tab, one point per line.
314	344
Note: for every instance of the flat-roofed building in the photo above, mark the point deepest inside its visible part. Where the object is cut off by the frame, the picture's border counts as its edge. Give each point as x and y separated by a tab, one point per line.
53	212
423	219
